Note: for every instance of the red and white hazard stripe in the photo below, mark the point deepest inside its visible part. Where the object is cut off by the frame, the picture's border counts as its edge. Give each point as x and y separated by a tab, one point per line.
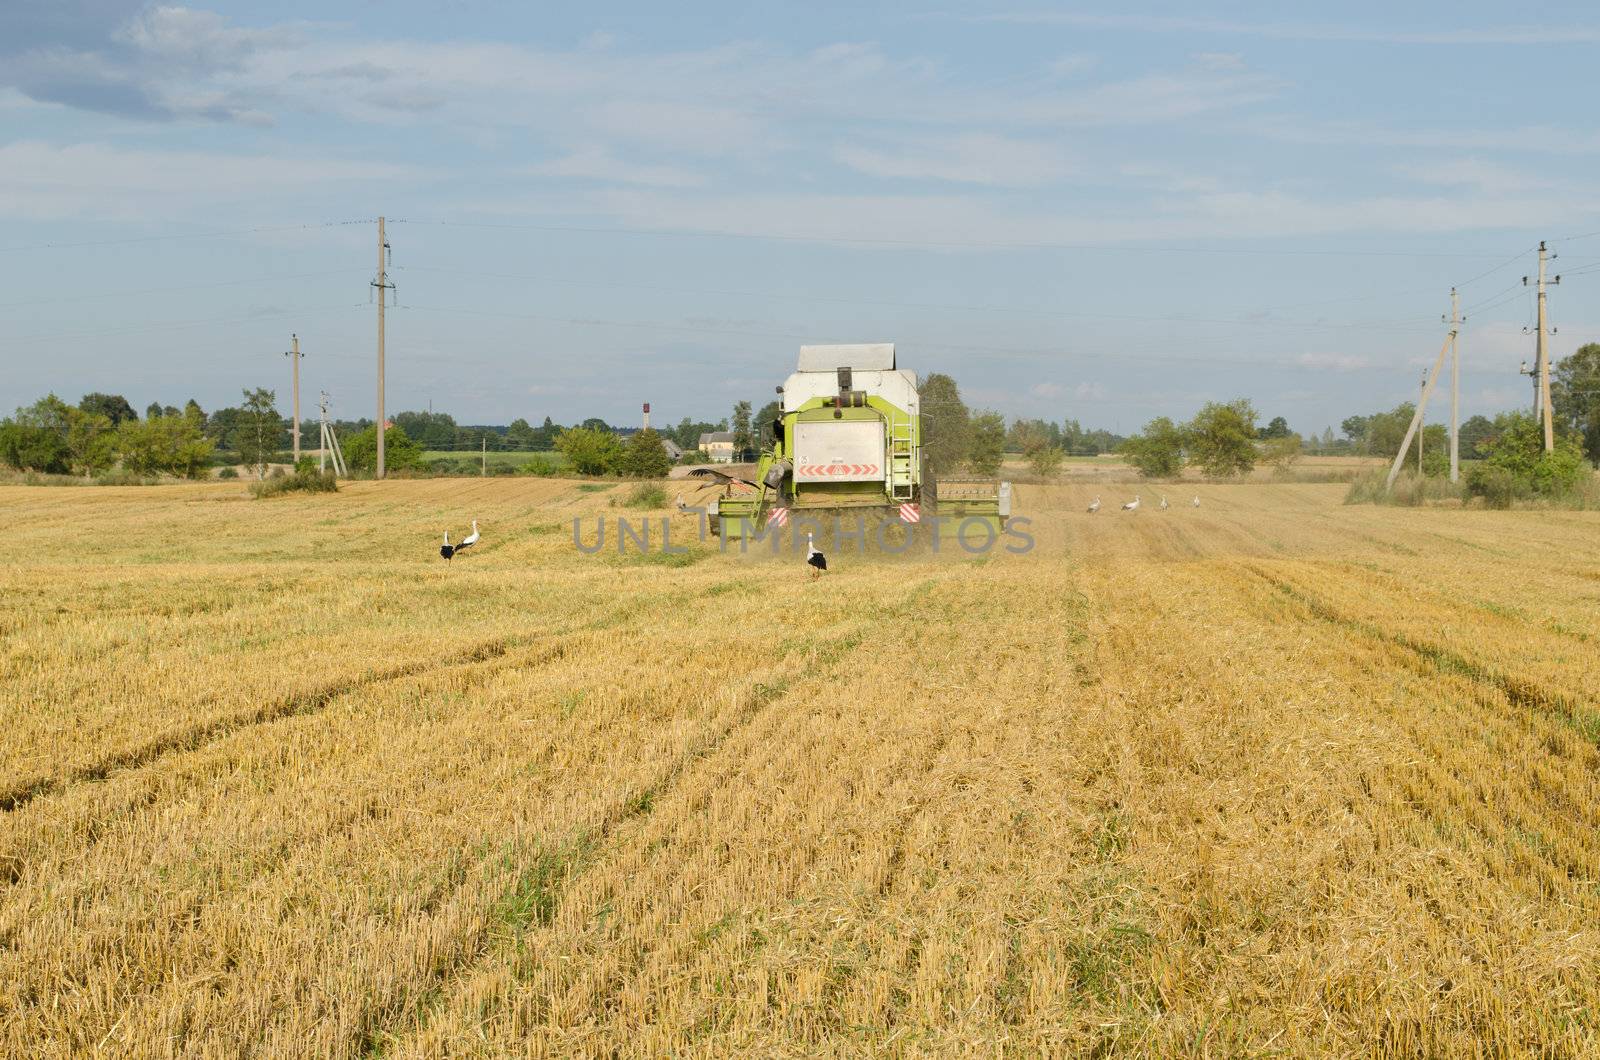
778	517
910	513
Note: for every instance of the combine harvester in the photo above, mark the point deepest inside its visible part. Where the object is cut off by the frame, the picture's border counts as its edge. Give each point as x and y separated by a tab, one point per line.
849	444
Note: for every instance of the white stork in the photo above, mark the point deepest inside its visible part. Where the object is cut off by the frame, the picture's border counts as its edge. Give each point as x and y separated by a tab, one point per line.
447	550
1095	507
817	560
1133	505
1197	500
1163	505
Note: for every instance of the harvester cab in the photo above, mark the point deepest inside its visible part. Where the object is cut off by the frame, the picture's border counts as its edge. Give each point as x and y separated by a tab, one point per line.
848	441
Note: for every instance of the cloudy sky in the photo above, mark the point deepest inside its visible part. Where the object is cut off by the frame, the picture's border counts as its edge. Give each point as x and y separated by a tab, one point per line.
1106	214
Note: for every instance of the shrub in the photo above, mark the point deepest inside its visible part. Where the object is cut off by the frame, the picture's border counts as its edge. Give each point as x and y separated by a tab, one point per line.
227	472
646	495
1496	485
1157	452
591	450
539	465
399	451
299	482
644	456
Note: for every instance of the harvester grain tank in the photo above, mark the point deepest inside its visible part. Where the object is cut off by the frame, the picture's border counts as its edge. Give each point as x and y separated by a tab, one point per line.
848	441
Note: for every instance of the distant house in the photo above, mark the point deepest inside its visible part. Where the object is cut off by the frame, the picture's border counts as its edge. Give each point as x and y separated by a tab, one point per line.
674	450
718	445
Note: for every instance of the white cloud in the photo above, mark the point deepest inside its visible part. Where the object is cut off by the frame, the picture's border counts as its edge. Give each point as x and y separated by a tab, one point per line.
1334	362
1046	390
974	158
597	163
1504	35
1090	392
41	180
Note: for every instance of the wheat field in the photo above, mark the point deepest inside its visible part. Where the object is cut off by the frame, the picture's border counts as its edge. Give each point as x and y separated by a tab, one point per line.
1271	777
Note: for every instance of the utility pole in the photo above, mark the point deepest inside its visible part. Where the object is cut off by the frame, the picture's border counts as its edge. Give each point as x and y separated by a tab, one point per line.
1543	355
1416	420
322	436
330	444
1455	386
384	287
294	358
1422	428
483	470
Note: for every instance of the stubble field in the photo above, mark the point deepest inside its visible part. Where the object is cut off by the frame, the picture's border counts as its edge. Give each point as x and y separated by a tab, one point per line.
1274	776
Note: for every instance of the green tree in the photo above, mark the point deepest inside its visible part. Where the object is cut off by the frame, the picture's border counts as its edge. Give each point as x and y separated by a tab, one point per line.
644	456
986	447
520	435
36	438
1474	433
765	420
431	430
257	430
590	450
172	445
91	439
195	414
1277	427
399	451
1222	438
744	439
1518	449
113	407
946	423
1046	460
1282	452
1157	451
1575	396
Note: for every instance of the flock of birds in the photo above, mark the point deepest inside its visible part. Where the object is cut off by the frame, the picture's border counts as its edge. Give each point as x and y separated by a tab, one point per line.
1133	505
814	557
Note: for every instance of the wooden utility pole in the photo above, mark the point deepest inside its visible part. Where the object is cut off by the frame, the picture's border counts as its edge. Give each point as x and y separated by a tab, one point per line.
1455	386
1422	395
384	287
1543	357
1416	420
484	469
294	358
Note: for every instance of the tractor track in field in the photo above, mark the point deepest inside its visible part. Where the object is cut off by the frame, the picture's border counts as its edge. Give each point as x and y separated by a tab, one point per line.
390	1024
193	737
1519	691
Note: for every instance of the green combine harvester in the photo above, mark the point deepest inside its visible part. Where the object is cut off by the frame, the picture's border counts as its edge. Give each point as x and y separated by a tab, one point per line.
848	443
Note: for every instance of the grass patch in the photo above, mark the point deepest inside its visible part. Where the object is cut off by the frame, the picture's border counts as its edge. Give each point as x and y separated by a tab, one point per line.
646	495
594	487
299	482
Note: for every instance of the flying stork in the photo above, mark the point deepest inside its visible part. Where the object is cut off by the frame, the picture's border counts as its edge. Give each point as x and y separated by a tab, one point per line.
1133	505
447	550
817	560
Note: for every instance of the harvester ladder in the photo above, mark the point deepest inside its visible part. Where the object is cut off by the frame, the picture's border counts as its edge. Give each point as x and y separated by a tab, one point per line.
901	454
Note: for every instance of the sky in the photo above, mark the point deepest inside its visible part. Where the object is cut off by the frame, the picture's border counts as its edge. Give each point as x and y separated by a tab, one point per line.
1097	213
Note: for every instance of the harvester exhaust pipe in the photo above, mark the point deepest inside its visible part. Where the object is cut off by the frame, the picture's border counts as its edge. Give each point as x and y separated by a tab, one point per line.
845	386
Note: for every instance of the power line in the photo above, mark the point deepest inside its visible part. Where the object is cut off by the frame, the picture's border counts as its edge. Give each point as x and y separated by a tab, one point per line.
169	290
784	237
1386	325
223	234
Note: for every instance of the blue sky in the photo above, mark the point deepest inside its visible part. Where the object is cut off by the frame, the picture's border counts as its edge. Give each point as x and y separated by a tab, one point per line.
1106	214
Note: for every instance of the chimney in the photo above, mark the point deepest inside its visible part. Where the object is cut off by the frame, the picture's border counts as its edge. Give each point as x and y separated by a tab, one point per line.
647	415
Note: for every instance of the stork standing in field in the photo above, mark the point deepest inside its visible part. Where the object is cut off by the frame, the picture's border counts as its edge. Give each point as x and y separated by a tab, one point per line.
1197	500
1095	507
1133	505
447	550
1163	505
818	562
